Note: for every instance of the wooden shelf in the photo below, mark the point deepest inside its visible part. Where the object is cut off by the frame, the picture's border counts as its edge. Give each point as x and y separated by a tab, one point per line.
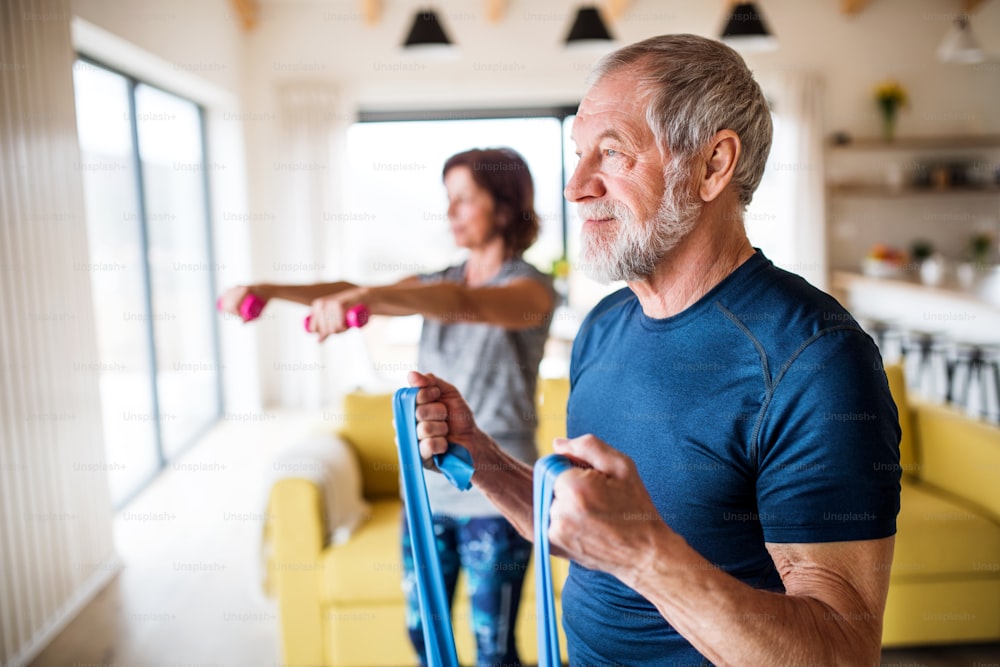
846	280
965	315
961	142
884	191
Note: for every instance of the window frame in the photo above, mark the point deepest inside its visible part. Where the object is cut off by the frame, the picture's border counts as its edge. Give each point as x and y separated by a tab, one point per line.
132	82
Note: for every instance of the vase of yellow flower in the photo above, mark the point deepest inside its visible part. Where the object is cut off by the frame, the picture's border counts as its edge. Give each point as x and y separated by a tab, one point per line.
891	97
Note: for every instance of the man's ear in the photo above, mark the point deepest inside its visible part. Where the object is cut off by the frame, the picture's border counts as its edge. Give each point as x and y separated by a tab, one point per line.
720	157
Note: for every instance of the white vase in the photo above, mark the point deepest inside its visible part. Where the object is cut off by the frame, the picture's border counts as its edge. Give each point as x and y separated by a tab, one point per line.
932	270
966	273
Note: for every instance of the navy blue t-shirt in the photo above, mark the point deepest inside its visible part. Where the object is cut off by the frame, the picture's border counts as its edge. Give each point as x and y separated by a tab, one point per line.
759	414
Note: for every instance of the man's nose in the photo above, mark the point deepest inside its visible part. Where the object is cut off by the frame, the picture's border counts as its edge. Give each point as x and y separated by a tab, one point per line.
584	183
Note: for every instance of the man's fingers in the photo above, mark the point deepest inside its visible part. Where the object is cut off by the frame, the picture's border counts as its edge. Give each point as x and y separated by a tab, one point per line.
429	447
431	411
432	429
415	379
593	452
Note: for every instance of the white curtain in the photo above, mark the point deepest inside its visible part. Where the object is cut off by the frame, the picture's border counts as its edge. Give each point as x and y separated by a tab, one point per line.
305	246
787	217
804	100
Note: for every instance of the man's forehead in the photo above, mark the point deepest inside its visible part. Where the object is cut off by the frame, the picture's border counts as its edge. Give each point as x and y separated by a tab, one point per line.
610	110
614	89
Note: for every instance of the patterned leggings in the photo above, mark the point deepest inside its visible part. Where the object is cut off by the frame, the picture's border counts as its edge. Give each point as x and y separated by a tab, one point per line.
494	558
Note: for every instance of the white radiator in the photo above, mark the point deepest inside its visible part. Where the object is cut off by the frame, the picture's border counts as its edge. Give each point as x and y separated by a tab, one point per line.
56	548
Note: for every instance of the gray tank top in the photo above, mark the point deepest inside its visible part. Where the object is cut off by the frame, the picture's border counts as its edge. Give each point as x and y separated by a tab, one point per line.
496	370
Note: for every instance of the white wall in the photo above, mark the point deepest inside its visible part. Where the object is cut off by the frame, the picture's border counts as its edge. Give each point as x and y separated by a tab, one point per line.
55	511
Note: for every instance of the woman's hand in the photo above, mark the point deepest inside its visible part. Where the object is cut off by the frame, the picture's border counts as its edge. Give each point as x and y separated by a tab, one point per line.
230	300
329	313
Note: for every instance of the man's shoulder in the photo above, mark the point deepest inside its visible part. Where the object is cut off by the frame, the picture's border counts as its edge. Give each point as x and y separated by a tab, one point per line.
784	300
612	303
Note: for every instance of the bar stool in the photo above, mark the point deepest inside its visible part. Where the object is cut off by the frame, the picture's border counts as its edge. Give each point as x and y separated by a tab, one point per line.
925	357
976	365
887	337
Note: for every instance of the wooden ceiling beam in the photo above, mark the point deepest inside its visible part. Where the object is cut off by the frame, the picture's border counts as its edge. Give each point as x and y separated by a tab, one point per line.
852	7
248	11
615	9
495	10
372	11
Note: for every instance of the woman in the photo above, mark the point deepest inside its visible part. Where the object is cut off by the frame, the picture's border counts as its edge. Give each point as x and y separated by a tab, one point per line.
485	324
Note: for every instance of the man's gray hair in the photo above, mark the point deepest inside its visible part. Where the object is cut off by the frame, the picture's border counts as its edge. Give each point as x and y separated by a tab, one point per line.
695	87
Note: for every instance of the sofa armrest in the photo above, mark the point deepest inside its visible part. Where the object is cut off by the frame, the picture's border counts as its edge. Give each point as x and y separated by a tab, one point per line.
296	530
314	500
332	465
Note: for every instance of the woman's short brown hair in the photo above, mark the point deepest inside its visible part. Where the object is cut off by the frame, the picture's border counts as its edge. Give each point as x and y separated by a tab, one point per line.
505	175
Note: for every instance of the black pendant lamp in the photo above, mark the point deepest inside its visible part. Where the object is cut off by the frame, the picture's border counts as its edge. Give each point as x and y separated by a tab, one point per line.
426	31
588	28
746	31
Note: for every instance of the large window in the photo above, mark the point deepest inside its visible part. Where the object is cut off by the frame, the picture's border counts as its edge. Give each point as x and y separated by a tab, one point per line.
143	167
395	178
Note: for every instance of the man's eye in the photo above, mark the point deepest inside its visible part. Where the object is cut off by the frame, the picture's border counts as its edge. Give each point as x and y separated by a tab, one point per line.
611	152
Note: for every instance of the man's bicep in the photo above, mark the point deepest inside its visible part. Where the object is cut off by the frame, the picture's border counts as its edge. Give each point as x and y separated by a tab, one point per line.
850	578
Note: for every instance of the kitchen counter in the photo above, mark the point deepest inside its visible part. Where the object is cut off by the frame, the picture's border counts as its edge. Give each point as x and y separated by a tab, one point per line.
971	316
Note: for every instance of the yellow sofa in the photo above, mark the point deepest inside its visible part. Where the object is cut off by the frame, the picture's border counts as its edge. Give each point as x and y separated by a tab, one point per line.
342	605
945	579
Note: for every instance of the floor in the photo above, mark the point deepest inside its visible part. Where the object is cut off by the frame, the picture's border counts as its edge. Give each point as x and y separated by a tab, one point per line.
187	594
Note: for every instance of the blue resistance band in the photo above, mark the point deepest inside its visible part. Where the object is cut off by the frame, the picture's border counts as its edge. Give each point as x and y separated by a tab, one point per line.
546	470
456	466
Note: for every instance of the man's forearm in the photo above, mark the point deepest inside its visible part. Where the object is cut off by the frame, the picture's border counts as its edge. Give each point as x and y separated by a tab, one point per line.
507	483
731	623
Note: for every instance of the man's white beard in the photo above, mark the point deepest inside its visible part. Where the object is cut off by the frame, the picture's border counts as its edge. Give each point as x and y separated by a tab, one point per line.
636	248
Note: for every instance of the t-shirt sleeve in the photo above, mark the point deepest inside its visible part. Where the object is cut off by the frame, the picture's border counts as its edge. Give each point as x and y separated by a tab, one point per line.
436	276
828	445
521	269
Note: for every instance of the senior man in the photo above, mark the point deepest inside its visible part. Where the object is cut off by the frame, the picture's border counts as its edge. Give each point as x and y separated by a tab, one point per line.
739	479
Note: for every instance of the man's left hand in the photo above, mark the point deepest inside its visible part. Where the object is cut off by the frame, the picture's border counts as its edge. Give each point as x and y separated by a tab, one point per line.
602	516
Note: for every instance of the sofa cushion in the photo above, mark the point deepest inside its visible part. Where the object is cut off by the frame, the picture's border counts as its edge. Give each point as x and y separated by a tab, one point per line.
367	426
369	567
948	611
937	535
959	454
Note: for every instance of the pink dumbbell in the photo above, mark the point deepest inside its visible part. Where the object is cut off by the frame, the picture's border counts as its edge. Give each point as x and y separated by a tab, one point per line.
250	307
355	317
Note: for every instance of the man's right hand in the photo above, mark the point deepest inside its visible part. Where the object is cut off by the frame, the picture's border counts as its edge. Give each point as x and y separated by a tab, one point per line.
443	416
